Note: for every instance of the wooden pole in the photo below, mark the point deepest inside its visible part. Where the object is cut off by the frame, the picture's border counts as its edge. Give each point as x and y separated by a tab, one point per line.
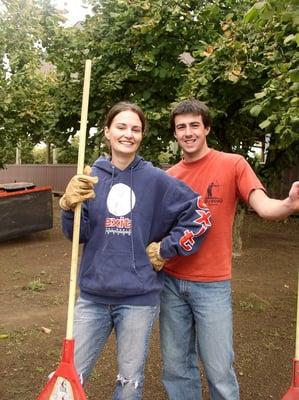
77	216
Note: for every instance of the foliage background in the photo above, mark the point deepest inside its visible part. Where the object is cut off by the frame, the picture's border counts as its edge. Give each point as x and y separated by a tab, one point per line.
240	57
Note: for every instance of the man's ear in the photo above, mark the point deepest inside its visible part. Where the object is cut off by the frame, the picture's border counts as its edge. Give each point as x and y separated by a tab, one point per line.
106	133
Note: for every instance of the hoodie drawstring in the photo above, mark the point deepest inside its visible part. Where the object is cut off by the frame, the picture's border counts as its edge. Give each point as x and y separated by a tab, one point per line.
131	215
112	178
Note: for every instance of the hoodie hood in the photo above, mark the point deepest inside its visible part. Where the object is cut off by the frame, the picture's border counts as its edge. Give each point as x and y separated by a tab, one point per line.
104	164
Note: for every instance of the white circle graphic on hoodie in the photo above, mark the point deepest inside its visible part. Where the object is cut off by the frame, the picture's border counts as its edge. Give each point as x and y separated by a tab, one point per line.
121	200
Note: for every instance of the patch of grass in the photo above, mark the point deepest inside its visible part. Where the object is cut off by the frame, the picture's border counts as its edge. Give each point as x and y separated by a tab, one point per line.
36	286
57	300
245	305
254	303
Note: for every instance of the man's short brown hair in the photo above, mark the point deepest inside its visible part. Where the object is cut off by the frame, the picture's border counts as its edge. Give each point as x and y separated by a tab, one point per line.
191	106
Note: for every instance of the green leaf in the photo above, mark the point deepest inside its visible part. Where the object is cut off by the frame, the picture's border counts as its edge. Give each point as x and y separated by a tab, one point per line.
250	15
253	13
255	111
295	124
294	75
260	95
162	73
295	87
295	101
260	5
265	124
279	128
147	94
289	38
203	81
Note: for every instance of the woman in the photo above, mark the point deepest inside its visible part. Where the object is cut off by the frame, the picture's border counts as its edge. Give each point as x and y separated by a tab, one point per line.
136	217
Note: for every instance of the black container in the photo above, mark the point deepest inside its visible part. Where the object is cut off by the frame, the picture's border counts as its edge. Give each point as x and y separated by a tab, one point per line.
24	209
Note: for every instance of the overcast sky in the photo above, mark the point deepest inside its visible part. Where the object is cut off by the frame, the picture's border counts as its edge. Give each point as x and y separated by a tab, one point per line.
75	11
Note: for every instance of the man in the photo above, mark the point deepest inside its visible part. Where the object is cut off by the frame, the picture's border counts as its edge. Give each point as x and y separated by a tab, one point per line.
196	309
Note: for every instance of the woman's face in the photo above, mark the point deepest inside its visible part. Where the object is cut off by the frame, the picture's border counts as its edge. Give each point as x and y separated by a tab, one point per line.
125	133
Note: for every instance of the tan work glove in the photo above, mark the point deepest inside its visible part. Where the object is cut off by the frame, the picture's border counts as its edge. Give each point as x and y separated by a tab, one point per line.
153	252
79	188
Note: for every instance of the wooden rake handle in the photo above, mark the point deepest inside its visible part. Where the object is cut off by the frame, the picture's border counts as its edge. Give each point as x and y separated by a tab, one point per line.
77	216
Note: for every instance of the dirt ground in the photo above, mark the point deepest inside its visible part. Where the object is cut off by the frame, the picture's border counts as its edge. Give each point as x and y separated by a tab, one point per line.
34	275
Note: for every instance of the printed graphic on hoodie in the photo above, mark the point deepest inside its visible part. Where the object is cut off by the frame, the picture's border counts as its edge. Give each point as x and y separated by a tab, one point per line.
120	202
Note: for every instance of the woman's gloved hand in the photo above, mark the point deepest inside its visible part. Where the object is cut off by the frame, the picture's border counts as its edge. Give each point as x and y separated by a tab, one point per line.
79	188
153	252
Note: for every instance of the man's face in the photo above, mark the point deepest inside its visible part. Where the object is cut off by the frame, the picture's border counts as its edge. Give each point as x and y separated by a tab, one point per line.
191	135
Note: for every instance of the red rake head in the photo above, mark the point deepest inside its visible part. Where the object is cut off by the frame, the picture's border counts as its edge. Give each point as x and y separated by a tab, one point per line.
65	383
293	392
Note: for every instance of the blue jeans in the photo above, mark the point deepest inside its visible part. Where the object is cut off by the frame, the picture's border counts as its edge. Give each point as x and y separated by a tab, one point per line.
133	326
196	322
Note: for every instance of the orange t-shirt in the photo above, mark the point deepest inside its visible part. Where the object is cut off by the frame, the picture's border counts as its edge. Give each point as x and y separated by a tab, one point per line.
221	178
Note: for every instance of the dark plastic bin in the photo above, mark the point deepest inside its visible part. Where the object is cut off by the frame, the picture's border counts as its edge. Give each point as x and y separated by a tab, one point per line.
24	209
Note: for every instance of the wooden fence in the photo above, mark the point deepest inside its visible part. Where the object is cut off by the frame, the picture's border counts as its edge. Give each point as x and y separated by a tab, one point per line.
58	175
54	175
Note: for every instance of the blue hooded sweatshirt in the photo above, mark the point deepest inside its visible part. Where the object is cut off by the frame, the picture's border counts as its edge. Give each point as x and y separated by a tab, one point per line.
132	208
